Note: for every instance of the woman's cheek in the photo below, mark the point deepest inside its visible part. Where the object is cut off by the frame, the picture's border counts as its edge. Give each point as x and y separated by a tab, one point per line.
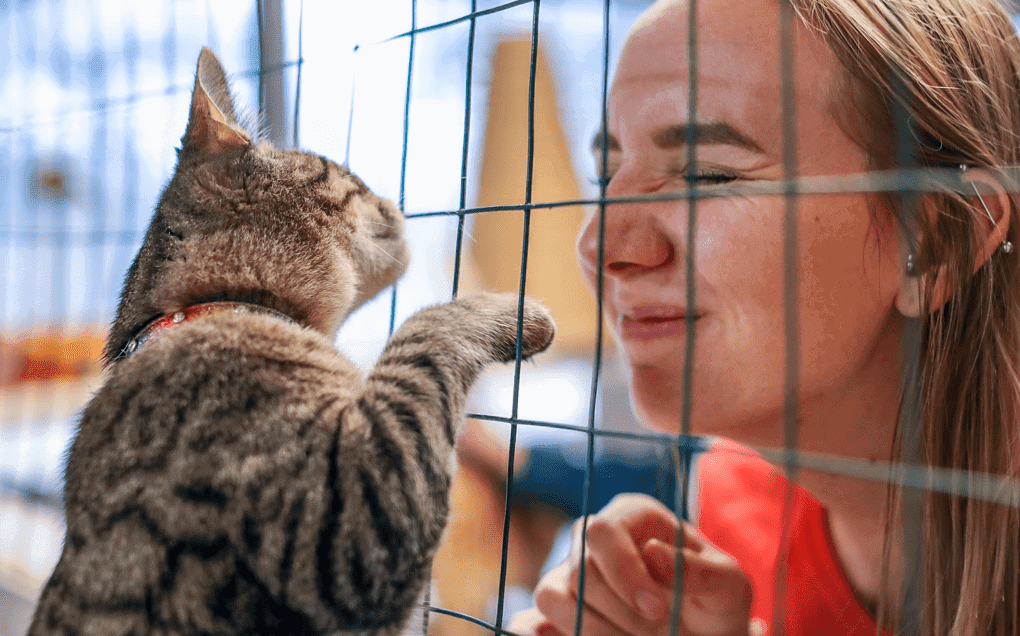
739	240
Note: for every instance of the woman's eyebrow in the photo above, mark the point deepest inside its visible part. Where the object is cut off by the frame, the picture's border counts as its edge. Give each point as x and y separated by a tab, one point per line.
713	133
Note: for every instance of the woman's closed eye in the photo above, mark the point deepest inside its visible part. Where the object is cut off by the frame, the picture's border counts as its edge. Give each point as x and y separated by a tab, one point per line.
698	176
707	176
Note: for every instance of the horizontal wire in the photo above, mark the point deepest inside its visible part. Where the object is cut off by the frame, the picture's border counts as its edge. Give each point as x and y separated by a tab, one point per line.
917	180
448	23
272	68
31	493
962	483
658	438
133	98
949	481
939	180
974	485
111	237
469	618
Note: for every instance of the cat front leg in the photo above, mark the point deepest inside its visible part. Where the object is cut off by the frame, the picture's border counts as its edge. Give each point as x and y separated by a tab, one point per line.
394	452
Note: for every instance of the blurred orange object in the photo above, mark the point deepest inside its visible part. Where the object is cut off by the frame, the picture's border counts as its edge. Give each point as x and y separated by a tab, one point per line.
49	356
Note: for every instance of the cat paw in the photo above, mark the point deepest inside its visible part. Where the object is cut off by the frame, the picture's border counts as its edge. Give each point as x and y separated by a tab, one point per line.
537	331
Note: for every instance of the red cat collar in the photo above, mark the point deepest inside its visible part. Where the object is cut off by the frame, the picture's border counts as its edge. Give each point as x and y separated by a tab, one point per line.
165	323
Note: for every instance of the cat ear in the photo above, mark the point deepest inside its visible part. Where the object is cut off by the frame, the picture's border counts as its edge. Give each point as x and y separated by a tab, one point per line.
212	127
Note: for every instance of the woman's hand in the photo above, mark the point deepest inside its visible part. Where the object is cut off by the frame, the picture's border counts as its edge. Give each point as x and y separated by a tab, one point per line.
628	579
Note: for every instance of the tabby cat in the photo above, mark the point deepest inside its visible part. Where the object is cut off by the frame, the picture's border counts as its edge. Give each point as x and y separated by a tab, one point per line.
235	474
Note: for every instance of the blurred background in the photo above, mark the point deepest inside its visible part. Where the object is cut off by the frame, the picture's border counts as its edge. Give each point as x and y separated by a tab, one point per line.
429	103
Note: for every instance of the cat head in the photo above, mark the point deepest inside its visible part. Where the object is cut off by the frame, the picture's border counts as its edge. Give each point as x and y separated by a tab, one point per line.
242	220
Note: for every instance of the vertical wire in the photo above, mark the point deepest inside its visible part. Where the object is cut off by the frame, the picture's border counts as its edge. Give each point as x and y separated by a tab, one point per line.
300	63
259	18
98	92
8	243
407	100
130	199
350	113
427	597
101	161
910	419
791	369
33	410
33	244
99	172
403	152
525	238
464	152
15	284
691	303
168	47
271	72
587	493
911	498
210	27
168	56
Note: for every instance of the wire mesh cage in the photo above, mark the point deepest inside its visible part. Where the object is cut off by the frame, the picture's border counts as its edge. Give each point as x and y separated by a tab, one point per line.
96	97
475	117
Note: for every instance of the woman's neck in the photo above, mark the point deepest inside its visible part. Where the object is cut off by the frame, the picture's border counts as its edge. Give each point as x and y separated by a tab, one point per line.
858	424
858	527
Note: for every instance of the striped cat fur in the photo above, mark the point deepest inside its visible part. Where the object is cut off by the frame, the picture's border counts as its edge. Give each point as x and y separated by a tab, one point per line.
238	475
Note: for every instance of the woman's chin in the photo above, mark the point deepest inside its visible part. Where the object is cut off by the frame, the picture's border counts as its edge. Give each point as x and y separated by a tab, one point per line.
663	412
659	411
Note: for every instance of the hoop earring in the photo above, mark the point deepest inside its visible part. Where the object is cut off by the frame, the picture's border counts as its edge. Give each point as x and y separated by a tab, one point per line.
1007	246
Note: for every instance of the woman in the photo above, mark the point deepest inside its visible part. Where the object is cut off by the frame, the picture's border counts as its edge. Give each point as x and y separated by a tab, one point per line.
872	269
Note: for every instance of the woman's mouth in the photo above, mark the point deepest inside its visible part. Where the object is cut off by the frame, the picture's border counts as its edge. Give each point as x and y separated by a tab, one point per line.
649	323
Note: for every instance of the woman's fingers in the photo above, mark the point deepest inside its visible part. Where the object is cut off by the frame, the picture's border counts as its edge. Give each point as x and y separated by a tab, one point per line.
553	594
612	549
558	604
644	517
630	559
610	606
612	540
528	623
717	593
716	598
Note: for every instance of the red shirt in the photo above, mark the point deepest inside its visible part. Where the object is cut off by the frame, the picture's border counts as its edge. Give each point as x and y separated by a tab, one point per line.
741	505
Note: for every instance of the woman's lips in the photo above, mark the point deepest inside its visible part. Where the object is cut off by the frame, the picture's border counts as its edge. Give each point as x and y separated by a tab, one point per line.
649	323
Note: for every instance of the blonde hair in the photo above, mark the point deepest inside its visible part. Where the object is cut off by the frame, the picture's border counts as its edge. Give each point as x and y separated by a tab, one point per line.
950	71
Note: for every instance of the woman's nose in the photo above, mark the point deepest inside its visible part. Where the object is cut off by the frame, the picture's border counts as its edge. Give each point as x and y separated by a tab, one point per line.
633	240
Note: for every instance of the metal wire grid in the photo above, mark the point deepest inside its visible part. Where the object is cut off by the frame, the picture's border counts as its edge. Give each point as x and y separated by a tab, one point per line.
905	182
790	188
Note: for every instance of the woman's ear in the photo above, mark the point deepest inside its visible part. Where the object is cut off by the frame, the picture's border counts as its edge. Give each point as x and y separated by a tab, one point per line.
908	299
991	201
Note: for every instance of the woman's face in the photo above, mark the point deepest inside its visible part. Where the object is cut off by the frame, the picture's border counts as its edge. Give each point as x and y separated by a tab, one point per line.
848	258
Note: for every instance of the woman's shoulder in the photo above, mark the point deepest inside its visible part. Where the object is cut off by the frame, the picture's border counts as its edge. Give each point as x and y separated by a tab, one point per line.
740	495
728	468
742	502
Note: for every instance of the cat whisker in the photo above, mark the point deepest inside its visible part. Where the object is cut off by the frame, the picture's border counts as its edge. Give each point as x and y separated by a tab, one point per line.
395	259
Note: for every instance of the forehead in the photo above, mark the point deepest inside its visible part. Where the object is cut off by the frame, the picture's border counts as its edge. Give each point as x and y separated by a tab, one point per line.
739	76
745	28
